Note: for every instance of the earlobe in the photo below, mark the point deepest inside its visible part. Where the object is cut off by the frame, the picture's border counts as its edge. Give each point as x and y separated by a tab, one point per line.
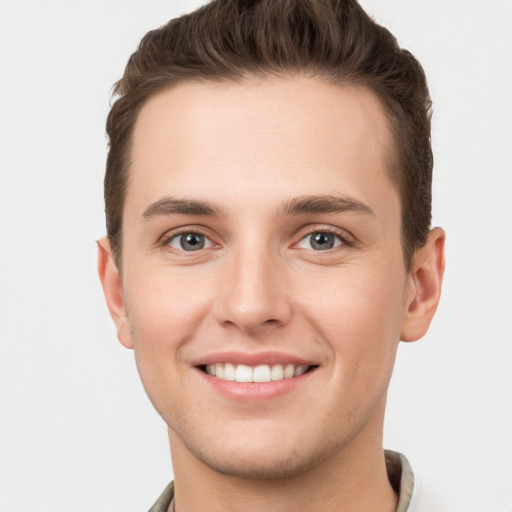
113	289
426	280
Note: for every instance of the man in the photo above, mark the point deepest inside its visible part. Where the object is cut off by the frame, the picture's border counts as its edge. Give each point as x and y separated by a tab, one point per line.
268	193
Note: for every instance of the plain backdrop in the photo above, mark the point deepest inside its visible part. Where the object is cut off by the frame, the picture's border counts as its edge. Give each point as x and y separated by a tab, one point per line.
77	433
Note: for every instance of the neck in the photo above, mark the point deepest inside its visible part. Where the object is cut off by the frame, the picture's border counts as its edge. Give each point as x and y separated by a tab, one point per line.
353	479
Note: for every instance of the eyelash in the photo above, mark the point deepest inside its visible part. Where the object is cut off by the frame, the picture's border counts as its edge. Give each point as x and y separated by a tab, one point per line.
168	238
344	239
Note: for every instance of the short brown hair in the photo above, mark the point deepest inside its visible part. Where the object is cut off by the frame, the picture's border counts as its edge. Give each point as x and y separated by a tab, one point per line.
233	39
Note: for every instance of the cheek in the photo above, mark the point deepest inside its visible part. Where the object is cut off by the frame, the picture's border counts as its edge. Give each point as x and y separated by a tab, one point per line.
359	314
165	307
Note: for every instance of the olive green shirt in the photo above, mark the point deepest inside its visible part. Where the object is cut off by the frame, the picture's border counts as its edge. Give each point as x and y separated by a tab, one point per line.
400	476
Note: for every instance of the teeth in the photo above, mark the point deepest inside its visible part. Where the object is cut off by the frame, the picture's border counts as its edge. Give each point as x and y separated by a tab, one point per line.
289	371
260	373
229	372
243	373
300	370
277	372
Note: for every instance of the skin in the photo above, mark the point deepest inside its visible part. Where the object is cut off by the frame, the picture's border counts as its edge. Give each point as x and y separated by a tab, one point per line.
248	151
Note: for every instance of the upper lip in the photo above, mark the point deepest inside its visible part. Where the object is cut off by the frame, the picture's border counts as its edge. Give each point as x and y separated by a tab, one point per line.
252	359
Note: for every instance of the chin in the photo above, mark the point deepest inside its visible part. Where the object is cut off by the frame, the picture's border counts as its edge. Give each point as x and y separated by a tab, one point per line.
257	467
259	457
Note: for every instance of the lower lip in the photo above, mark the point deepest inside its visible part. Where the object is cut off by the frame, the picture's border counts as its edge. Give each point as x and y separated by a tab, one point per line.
254	391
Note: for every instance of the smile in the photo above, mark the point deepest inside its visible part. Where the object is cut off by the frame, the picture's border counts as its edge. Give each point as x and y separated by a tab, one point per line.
261	373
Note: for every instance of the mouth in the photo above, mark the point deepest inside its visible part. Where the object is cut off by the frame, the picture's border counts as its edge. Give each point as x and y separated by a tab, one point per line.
261	373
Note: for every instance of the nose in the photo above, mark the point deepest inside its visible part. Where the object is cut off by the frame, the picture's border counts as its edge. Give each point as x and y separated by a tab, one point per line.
253	292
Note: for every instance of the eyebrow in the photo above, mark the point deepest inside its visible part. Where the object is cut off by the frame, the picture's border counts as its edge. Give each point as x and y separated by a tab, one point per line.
173	206
324	204
302	205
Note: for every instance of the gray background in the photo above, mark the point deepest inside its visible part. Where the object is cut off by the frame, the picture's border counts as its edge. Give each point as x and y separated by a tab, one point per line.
76	430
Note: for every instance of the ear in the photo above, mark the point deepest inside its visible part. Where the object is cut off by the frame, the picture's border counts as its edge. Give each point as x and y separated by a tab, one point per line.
424	287
113	290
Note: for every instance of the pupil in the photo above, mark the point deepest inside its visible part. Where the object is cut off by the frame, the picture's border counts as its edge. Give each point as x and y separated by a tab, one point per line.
322	241
192	241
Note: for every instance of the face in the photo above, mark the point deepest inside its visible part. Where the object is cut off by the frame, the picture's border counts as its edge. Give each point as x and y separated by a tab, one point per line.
264	288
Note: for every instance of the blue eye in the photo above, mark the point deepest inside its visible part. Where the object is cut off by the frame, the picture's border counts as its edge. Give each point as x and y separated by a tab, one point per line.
320	241
189	242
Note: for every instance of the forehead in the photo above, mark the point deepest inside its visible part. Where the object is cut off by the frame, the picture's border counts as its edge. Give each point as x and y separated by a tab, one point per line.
296	133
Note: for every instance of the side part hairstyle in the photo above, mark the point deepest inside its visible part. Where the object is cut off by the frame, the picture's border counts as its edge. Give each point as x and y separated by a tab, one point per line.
232	40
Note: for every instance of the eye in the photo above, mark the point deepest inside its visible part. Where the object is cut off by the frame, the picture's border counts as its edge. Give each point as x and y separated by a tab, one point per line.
320	241
189	242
